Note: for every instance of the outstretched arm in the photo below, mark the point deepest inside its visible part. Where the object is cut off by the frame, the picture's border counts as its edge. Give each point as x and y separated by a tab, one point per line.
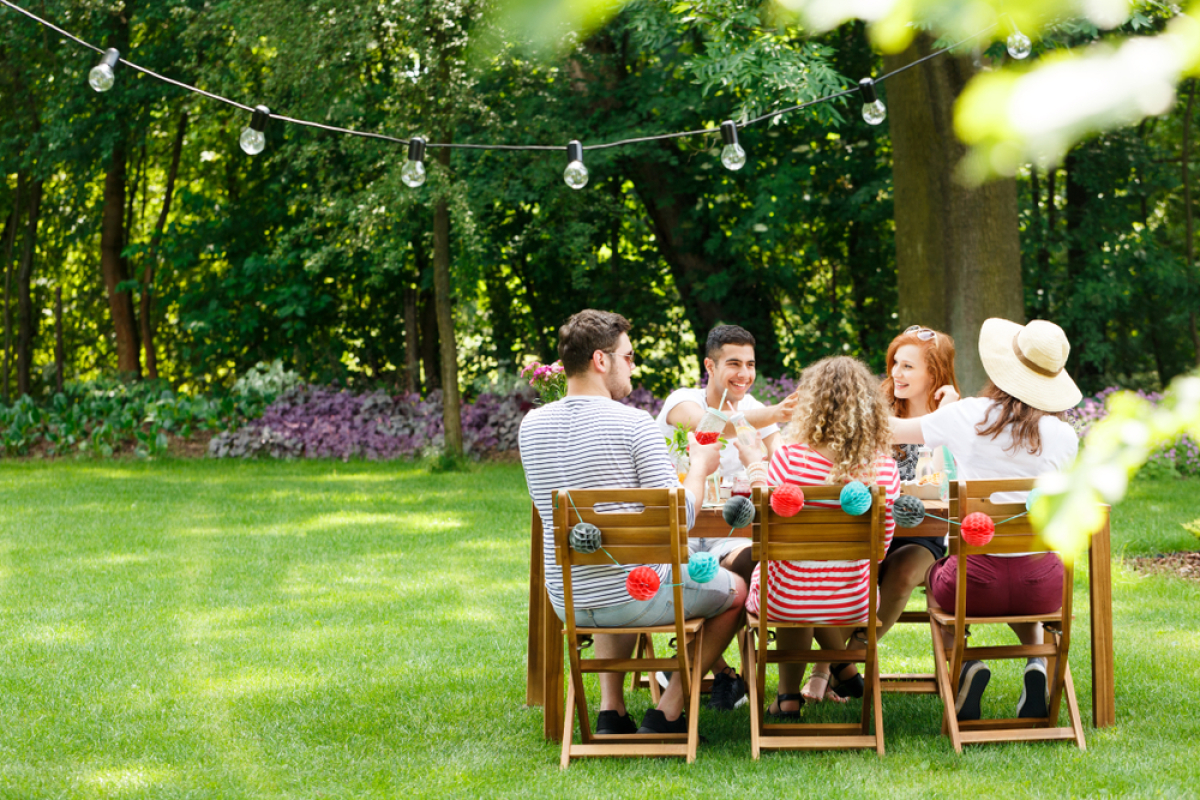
906	431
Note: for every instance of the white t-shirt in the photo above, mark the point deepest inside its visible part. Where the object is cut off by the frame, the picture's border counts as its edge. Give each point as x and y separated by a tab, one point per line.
984	458
730	463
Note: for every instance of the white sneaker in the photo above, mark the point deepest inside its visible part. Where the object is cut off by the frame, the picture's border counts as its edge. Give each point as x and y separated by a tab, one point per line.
1035	692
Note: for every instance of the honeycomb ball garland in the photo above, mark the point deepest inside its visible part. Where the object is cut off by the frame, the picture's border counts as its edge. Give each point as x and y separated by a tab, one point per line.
642	583
787	500
978	529
702	567
855	498
1032	498
584	538
908	511
739	511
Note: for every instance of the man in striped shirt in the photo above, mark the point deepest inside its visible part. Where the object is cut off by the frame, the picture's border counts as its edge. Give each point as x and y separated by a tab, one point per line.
587	440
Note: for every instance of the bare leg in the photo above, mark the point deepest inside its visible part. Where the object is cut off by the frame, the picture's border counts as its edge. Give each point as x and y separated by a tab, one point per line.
790	675
906	571
1028	632
718	633
612	684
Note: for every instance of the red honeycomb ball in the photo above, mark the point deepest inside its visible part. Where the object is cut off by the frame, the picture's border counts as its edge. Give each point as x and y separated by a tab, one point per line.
978	529
787	500
642	583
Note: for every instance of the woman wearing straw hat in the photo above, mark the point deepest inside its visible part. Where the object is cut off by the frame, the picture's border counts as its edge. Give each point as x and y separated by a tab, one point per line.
1013	429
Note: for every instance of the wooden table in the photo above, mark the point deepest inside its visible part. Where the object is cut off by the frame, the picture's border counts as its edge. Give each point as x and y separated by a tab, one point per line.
544	673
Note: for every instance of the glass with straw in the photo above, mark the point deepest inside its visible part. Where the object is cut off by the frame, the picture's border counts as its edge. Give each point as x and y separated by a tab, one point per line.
708	430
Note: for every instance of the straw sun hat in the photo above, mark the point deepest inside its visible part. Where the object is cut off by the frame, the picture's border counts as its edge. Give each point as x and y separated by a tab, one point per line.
1027	362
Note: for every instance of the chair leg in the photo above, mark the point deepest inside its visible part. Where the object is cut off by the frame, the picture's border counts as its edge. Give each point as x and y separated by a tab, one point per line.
694	700
568	727
1073	710
949	721
749	658
877	693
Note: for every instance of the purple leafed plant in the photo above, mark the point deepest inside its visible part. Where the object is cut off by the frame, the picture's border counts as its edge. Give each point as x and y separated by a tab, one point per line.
1180	458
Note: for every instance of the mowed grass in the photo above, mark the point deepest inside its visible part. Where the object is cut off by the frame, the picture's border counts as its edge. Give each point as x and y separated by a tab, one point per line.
202	629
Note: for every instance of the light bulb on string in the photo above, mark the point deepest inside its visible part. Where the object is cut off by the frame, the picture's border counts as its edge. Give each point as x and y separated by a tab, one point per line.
253	140
1018	44
102	78
576	174
732	154
874	111
413	173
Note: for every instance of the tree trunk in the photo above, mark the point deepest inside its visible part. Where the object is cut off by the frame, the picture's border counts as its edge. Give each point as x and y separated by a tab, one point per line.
427	315
60	360
147	301
1189	242
958	254
682	240
26	319
112	266
412	358
451	401
10	242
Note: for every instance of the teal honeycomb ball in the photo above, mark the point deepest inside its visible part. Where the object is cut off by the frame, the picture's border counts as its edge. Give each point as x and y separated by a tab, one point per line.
1032	498
908	511
702	567
738	511
585	538
855	498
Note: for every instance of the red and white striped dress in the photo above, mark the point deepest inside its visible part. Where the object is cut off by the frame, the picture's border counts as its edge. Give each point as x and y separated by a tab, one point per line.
820	591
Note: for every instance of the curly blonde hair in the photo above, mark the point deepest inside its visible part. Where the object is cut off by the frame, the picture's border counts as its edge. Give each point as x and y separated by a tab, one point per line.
840	409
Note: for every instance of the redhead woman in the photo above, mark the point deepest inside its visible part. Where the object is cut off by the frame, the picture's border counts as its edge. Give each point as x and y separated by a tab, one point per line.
839	433
1014	429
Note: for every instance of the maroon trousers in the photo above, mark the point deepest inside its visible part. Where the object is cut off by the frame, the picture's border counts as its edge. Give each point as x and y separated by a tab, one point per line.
1001	587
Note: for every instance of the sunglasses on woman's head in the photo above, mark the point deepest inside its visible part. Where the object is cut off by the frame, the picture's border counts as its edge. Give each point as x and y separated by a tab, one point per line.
924	334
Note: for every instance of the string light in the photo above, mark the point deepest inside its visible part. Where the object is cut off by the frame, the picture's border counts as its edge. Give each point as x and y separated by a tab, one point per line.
253	140
874	111
576	174
732	154
101	78
413	173
1018	44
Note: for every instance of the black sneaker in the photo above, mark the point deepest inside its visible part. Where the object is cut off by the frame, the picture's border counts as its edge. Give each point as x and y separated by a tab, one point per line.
1035	695
656	722
971	682
612	723
728	691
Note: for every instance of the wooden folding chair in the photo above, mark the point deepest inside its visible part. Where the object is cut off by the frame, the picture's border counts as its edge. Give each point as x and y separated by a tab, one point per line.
656	535
1013	536
815	534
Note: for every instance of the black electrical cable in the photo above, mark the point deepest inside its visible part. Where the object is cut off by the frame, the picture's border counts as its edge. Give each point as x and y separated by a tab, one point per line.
458	146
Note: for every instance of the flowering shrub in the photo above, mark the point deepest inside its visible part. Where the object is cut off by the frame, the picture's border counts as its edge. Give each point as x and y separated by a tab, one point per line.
1179	458
548	380
316	422
641	398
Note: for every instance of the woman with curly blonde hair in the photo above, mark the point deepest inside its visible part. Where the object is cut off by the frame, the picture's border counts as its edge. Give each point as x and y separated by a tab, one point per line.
839	433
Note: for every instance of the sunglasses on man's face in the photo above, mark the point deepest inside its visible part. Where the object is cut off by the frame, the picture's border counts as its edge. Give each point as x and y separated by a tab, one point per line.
924	334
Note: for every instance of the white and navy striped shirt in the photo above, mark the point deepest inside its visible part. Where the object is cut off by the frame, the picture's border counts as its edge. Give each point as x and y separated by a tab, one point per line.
592	443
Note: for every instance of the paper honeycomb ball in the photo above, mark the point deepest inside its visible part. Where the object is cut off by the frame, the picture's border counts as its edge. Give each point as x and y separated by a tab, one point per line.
642	583
739	511
1032	498
855	498
787	500
702	567
908	511
584	538
978	529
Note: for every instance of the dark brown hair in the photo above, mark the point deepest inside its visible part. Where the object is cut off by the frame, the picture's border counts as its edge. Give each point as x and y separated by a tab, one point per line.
585	333
1023	418
722	335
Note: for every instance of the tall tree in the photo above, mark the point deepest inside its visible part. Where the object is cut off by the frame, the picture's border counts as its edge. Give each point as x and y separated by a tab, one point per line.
958	254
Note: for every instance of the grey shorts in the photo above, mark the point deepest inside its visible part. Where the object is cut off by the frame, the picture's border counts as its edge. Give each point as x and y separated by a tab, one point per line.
699	600
719	546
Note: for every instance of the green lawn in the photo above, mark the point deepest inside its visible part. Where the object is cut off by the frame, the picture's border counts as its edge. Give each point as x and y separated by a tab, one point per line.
208	629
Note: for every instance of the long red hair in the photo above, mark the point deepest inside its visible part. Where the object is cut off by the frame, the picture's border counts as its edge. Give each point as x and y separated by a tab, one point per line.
939	361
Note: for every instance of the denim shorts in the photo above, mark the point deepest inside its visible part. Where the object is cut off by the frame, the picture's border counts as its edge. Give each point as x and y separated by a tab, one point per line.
699	600
719	546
